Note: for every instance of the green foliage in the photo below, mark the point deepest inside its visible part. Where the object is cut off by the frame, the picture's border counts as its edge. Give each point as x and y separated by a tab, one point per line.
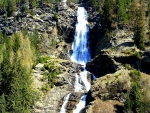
134	100
148	7
16	93
16	44
11	6
3	103
34	38
53	42
128	66
135	75
56	16
53	70
139	38
43	59
45	88
134	97
25	31
138	55
33	3
21	95
121	10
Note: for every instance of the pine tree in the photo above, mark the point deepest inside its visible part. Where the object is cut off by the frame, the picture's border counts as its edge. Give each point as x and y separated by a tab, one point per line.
5	4
149	13
108	16
140	24
121	11
11	6
16	94
33	3
2	103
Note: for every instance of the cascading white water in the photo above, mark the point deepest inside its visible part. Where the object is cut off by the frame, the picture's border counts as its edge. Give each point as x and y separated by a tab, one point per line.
64	0
81	55
63	108
81	52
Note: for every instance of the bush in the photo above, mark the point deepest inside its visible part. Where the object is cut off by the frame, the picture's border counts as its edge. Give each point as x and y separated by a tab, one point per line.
43	59
45	88
56	16
128	66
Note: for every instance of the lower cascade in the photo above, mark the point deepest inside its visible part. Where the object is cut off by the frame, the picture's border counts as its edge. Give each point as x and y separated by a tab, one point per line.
81	55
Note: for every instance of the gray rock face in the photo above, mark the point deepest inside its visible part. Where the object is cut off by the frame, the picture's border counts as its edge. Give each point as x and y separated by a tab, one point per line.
63	84
44	15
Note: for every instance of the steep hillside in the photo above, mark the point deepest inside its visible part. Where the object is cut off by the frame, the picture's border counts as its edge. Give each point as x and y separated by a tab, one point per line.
36	39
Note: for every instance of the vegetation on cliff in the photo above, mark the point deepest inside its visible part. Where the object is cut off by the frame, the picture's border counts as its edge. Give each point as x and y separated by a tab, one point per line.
128	14
11	6
16	60
135	99
18	53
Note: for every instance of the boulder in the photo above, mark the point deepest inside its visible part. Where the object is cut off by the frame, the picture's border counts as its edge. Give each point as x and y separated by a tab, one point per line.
112	86
101	65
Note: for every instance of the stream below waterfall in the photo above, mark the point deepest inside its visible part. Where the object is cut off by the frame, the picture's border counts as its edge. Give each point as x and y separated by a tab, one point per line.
81	55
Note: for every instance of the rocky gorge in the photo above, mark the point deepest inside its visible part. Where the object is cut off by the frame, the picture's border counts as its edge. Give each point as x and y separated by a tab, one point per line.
114	57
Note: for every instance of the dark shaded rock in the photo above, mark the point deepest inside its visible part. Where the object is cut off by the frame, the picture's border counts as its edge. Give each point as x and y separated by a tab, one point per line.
145	63
101	65
132	60
70	105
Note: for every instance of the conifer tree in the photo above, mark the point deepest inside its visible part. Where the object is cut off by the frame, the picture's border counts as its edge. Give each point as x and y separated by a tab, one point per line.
149	12
140	25
16	94
33	3
2	103
121	11
11	6
108	15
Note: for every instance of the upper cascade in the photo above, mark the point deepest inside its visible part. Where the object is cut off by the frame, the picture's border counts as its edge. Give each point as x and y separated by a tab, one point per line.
80	46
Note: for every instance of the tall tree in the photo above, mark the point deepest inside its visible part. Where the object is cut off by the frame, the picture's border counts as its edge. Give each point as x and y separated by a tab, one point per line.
121	11
11	6
33	3
16	94
140	26
109	16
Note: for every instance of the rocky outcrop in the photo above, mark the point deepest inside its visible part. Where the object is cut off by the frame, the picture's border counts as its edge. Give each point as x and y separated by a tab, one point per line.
51	101
101	65
44	17
112	86
121	51
114	57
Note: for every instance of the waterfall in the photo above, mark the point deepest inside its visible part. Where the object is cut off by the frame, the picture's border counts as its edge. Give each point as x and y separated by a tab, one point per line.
81	55
63	108
81	51
64	1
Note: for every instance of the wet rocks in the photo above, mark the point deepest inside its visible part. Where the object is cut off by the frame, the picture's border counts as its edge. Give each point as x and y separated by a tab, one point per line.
73	100
75	96
63	85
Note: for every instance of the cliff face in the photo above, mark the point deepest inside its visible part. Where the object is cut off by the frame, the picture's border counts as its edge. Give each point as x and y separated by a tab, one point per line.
55	24
116	55
113	56
119	52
